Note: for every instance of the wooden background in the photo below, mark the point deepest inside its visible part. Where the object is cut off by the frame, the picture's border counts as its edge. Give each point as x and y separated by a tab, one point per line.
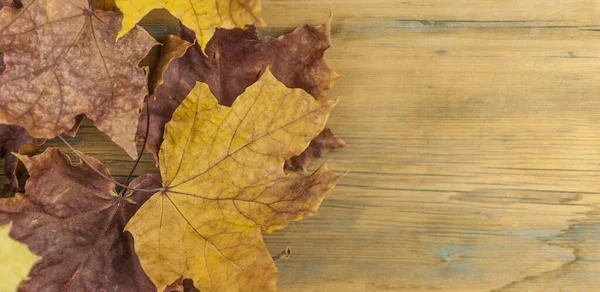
474	147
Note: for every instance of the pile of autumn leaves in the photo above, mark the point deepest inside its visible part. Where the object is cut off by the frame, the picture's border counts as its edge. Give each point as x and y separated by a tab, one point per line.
226	111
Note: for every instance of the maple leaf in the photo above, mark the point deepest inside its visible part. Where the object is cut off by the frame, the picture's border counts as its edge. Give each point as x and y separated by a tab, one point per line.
62	61
223	178
16	259
14	139
72	217
235	58
202	16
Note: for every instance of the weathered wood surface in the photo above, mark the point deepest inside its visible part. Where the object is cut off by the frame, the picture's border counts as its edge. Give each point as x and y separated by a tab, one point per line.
474	147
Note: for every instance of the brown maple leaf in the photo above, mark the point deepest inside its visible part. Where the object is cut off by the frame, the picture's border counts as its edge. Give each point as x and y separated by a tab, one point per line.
72	218
14	139
236	59
61	61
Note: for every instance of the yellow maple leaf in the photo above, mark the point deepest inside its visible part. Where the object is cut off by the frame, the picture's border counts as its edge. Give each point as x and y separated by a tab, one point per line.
224	184
16	260
202	16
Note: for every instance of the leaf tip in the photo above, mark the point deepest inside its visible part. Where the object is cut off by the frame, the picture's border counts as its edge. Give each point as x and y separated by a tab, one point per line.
330	104
328	23
20	156
336	76
325	171
261	22
119	35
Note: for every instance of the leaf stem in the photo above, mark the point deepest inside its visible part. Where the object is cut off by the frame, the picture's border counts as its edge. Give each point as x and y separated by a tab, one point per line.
102	174
137	161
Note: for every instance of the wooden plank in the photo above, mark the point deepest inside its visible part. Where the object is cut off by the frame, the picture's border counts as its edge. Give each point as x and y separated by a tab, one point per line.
356	12
473	152
472	140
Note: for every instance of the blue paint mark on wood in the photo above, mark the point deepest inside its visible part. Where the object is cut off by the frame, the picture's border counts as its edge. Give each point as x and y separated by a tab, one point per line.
445	255
440	52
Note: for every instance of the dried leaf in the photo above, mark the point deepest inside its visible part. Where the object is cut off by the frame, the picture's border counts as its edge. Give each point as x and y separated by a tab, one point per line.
236	58
224	184
73	218
62	61
14	139
318	147
202	16
16	261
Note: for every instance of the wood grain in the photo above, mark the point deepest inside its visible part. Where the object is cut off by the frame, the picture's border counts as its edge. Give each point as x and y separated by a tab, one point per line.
474	147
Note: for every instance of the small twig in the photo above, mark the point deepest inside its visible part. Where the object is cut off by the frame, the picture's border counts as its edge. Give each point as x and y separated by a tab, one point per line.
143	146
102	174
284	254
